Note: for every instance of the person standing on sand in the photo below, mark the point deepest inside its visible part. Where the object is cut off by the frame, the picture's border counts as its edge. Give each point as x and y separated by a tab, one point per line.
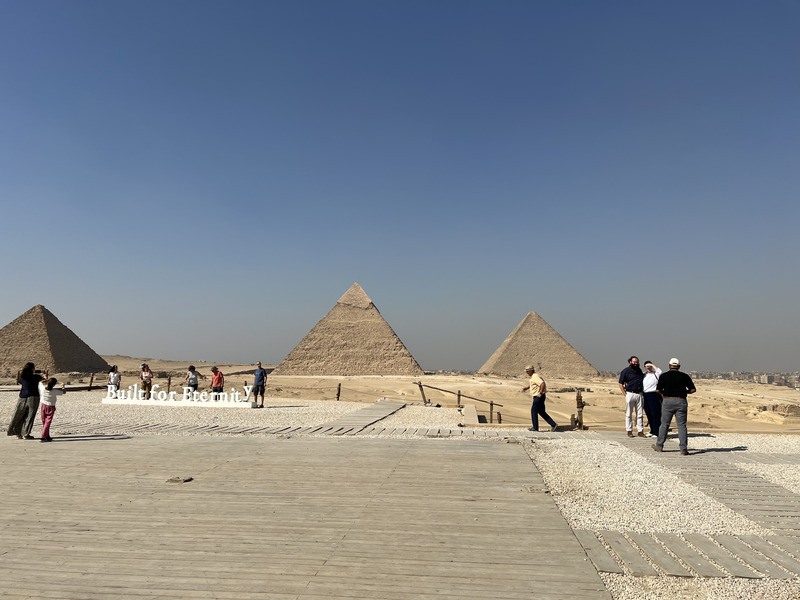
652	399
115	378
538	389
674	386
631	382
146	379
191	377
217	383
25	413
49	394
259	383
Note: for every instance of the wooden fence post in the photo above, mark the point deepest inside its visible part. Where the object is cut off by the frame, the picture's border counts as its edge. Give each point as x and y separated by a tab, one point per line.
491	412
338	392
422	391
169	383
459	398
91	380
580	404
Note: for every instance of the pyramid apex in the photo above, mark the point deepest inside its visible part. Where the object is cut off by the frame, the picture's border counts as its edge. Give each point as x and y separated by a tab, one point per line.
355	296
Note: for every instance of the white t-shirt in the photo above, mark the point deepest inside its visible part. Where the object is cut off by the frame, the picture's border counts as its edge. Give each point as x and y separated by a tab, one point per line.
48	397
651	380
113	378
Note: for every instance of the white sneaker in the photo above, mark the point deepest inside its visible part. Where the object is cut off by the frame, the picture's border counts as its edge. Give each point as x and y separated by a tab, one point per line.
648	434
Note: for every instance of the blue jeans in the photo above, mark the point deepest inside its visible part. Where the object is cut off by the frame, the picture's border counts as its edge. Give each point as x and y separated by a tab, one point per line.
678	407
537	408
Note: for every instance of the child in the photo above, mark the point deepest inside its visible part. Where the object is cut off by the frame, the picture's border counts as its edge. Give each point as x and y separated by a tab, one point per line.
48	395
115	378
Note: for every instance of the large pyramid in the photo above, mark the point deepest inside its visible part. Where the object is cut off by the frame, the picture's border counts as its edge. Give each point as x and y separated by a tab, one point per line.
37	336
352	339
535	342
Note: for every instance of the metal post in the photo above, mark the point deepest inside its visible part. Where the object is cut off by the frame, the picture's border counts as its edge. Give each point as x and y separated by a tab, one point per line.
499	418
91	380
459	398
491	412
169	383
338	392
580	404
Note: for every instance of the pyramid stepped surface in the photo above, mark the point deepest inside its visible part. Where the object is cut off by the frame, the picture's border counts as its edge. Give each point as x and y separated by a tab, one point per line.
38	336
535	342
352	339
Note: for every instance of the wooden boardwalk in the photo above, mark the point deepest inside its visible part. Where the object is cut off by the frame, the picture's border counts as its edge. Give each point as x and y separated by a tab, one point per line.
93	516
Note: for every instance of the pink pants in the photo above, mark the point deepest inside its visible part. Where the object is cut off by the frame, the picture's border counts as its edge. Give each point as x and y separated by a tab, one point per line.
47	418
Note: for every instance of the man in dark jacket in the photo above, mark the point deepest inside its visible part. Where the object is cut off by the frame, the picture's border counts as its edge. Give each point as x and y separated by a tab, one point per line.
631	383
674	386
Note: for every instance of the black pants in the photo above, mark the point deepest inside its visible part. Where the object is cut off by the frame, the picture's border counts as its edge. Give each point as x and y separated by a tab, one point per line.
652	408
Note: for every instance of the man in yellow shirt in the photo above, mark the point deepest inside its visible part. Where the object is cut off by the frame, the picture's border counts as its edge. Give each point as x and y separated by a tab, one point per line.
538	389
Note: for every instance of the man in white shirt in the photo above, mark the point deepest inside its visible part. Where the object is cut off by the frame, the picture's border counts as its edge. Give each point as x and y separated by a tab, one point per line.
652	399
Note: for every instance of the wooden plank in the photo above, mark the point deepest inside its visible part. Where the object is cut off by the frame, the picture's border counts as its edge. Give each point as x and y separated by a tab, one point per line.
629	555
659	555
720	556
774	553
596	552
470	415
689	555
788	543
751	557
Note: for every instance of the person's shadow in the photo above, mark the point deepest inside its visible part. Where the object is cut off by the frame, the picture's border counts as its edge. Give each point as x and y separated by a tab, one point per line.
90	437
732	449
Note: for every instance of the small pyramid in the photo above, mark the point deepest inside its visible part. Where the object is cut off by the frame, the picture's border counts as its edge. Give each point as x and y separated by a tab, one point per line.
352	339
535	342
37	336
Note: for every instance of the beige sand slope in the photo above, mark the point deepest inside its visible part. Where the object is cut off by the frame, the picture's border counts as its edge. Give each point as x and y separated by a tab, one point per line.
535	342
352	339
39	337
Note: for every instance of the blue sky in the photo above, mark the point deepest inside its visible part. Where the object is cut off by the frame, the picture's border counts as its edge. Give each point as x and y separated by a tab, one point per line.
202	180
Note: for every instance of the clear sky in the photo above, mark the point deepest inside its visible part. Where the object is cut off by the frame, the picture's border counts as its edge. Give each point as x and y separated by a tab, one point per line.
202	180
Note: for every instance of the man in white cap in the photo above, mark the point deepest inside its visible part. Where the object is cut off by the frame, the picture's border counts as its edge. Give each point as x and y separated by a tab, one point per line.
674	386
538	389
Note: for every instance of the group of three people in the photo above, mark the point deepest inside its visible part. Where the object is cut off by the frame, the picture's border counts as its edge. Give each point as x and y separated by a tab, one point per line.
661	395
35	389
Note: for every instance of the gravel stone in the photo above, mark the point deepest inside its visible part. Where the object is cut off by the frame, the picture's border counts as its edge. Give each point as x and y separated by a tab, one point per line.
599	484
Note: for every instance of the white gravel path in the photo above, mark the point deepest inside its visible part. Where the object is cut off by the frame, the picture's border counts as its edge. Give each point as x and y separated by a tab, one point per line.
600	484
623	587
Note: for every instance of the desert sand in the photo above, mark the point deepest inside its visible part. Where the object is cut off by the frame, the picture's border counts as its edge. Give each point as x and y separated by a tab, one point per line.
719	405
